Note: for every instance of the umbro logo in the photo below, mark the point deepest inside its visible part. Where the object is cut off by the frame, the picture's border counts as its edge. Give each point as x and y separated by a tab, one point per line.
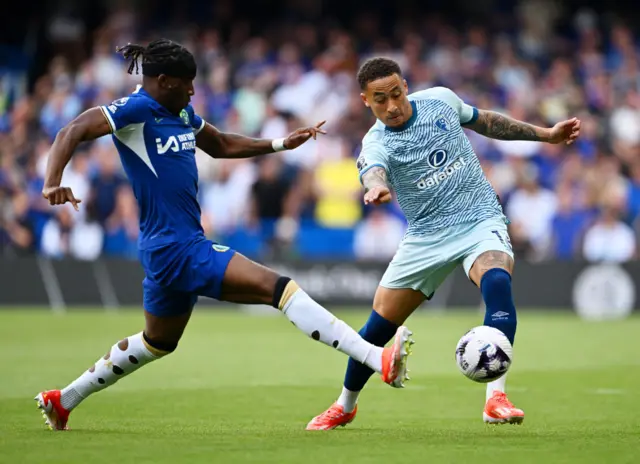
500	314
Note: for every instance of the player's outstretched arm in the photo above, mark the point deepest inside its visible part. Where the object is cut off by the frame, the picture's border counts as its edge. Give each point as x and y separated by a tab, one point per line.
376	189
87	126
501	127
227	145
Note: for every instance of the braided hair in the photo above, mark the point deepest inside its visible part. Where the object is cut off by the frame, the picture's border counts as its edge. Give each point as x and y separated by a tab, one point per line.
159	53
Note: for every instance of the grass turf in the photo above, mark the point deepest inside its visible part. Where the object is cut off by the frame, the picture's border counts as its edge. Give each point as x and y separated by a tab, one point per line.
241	389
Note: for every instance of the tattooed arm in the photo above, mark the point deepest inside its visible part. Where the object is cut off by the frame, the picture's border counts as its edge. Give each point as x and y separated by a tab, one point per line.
227	145
376	189
498	126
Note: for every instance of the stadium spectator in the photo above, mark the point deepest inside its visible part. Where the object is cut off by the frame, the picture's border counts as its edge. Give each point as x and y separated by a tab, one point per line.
62	237
610	239
531	209
568	224
377	237
265	83
121	227
338	190
106	182
17	236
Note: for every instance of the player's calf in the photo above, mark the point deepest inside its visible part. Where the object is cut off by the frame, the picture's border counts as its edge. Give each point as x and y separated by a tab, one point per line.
319	324
500	309
122	359
492	273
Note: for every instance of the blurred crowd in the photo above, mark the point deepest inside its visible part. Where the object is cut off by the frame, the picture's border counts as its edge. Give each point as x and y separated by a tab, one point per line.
575	202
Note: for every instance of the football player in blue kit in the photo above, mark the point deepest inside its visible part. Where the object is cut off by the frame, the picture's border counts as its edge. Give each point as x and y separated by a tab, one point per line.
156	133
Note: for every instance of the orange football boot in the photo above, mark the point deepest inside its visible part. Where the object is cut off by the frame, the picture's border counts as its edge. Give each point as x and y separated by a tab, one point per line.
394	358
394	372
332	418
499	410
55	416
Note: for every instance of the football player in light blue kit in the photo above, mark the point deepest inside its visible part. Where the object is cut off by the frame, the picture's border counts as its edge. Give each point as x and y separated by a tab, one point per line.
418	149
156	133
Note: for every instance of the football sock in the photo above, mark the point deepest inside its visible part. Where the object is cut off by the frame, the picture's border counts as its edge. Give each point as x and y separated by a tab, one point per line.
348	399
500	313
122	359
319	324
500	310
377	331
498	384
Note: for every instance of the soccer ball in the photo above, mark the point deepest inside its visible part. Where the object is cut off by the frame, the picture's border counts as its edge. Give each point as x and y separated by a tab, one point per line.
484	354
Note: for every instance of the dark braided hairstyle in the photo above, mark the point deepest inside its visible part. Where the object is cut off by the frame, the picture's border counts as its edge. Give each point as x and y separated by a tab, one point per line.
159	53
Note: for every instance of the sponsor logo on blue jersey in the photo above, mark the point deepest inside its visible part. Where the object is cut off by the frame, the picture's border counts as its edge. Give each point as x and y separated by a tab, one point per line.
176	143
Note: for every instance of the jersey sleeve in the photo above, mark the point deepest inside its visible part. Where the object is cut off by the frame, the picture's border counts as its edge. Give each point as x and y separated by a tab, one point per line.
125	111
467	113
373	153
196	121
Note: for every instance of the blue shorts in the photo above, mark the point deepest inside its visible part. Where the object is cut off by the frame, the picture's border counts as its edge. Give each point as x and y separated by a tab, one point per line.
177	274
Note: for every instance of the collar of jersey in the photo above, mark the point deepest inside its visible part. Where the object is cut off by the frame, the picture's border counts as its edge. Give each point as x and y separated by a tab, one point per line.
410	121
158	106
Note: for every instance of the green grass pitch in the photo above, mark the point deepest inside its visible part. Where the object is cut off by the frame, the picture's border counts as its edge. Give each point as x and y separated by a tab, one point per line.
241	388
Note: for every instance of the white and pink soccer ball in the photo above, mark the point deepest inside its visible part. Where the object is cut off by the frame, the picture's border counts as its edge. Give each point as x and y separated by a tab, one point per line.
484	354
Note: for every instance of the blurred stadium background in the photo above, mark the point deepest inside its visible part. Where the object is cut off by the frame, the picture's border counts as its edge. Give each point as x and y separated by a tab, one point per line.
266	68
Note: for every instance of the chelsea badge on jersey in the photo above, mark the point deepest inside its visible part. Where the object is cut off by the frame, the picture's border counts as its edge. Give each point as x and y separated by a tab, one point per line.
184	116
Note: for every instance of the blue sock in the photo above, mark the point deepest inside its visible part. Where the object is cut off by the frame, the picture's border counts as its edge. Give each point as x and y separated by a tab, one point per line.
500	310
377	331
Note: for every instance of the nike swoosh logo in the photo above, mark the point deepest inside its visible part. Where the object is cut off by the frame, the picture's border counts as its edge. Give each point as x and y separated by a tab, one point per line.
158	120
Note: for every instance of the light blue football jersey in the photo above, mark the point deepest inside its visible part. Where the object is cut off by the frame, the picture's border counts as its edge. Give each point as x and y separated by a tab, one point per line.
431	165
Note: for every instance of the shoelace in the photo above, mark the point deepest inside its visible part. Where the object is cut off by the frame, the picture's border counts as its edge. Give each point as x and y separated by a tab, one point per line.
333	413
502	399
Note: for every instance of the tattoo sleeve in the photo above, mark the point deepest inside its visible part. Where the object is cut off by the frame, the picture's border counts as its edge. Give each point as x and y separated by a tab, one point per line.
374	177
501	127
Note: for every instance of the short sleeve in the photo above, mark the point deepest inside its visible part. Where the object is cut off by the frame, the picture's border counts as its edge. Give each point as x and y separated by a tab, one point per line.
373	153
196	121
467	113
124	111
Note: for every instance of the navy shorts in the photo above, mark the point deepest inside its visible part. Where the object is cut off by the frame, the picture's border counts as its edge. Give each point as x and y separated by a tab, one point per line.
183	274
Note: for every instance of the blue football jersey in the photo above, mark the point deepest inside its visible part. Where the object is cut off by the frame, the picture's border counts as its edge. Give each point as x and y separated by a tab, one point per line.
157	149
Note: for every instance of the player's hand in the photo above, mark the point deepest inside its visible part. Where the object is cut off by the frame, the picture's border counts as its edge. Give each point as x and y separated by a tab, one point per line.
565	131
300	136
377	195
60	195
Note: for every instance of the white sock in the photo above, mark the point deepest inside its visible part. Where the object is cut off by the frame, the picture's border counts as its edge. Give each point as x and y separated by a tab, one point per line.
123	358
348	399
319	324
499	384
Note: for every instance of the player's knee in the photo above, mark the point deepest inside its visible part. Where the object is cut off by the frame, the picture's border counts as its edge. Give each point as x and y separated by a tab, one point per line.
496	278
159	346
283	290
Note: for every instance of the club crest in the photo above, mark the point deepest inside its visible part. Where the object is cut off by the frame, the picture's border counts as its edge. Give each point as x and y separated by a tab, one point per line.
442	123
184	116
